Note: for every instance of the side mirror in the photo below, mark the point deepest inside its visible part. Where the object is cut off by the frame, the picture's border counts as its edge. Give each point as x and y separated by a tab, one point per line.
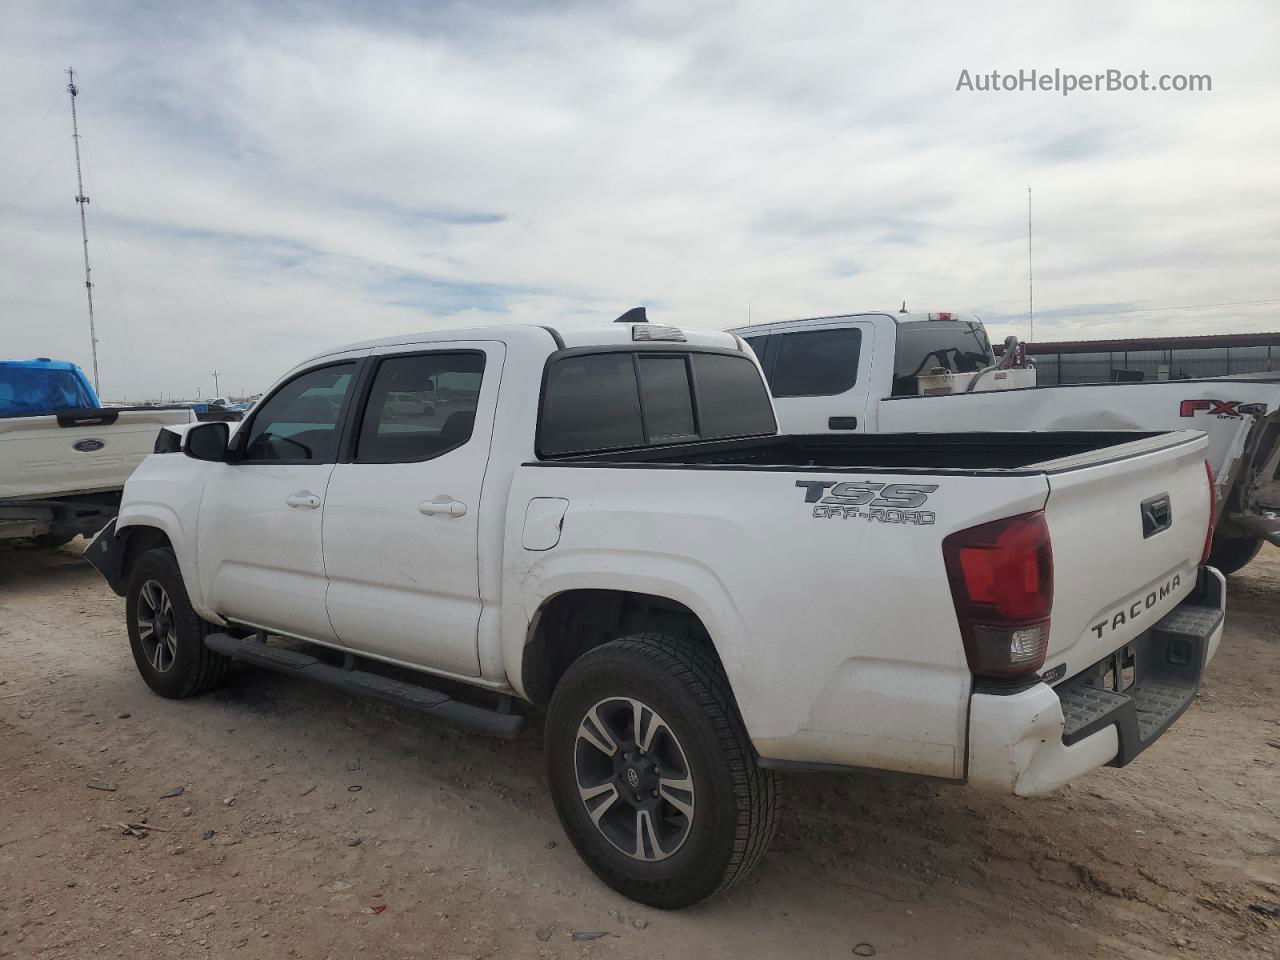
207	441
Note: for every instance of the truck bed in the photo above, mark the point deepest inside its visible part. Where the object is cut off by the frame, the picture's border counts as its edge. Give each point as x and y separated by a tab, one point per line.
78	451
846	645
1019	452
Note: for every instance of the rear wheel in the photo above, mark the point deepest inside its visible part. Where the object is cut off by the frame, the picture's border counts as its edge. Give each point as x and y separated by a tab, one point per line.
652	773
1230	554
165	632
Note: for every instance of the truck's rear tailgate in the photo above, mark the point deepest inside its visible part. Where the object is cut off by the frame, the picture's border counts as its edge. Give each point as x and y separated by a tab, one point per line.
1127	539
81	452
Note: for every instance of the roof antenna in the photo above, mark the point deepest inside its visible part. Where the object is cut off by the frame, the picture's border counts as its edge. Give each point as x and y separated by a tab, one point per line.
1031	290
904	307
634	315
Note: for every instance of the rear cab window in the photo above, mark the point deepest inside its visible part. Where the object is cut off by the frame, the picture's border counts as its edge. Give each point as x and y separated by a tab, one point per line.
960	346
603	400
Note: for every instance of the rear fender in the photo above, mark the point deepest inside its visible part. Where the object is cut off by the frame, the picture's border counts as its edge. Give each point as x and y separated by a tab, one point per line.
685	582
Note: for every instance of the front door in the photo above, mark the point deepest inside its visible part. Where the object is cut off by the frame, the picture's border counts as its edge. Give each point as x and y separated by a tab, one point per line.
401	518
259	556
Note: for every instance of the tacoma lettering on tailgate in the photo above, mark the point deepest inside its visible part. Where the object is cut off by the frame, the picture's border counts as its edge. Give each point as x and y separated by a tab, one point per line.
1135	609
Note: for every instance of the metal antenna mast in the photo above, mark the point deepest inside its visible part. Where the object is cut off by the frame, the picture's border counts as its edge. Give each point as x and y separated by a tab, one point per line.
1031	295
81	199
216	374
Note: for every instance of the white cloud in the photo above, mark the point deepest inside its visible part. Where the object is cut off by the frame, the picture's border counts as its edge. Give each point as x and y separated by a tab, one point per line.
266	184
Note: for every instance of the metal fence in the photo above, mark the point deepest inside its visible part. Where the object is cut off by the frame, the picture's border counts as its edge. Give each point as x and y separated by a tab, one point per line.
1173	363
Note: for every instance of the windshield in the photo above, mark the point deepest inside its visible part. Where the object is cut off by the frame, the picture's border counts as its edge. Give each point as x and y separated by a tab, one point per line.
960	346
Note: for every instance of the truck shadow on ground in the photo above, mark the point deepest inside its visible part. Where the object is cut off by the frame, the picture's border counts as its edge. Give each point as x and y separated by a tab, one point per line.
1173	848
24	564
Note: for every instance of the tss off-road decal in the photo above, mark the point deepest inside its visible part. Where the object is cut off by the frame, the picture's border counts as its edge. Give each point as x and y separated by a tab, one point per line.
869	500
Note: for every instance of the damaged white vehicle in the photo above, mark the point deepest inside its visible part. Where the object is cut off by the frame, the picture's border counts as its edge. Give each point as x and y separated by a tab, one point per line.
605	522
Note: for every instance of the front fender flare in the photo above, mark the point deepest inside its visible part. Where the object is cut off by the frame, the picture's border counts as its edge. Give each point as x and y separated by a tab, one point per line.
163	518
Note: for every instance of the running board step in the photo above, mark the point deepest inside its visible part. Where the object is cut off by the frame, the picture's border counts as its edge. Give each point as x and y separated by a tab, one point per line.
362	683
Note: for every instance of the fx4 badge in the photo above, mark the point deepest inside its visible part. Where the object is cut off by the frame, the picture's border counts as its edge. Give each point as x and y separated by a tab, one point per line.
869	500
1221	408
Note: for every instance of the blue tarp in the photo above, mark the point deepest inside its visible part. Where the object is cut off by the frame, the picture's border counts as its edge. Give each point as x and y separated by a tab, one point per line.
29	388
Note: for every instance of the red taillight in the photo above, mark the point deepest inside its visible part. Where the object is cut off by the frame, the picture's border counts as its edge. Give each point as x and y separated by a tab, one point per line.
1001	577
1213	516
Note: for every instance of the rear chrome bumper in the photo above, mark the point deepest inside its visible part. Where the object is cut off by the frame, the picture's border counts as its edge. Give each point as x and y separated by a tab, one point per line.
1040	737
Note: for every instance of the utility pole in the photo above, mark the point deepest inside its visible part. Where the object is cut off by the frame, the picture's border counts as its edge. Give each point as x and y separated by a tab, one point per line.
1031	295
215	384
81	200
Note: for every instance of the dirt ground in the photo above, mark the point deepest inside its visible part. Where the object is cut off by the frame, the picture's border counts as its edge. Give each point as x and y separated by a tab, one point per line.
460	854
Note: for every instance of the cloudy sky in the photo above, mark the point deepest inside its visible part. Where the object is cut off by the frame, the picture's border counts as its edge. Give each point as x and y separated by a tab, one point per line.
271	179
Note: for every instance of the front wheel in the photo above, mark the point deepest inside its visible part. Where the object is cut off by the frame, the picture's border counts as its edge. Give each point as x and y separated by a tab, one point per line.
652	773
165	632
1230	554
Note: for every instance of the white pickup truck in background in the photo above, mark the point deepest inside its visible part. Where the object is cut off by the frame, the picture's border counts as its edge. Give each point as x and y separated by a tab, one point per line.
869	373
605	521
63	458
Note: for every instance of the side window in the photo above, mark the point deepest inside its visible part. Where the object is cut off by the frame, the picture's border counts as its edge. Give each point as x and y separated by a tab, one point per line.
299	422
757	345
816	363
420	407
592	402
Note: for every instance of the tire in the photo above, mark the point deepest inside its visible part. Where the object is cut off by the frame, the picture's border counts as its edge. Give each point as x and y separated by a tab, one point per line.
1231	554
695	842
165	633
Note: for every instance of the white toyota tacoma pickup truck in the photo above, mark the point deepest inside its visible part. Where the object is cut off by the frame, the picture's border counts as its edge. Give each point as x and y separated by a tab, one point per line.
936	372
606	522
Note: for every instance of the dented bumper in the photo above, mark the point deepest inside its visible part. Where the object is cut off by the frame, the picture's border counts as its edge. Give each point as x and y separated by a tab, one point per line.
1035	739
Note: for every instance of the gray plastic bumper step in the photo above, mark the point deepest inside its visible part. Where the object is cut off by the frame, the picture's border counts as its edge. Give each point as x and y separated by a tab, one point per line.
1167	661
364	683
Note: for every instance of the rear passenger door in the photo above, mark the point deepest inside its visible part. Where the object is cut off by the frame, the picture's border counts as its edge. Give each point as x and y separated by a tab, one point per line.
819	376
400	517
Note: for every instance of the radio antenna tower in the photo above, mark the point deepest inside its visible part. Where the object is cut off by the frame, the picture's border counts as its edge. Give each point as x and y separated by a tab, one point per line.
81	200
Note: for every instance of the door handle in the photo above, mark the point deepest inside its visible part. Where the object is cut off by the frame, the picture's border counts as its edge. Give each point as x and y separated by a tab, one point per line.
442	506
304	500
842	423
